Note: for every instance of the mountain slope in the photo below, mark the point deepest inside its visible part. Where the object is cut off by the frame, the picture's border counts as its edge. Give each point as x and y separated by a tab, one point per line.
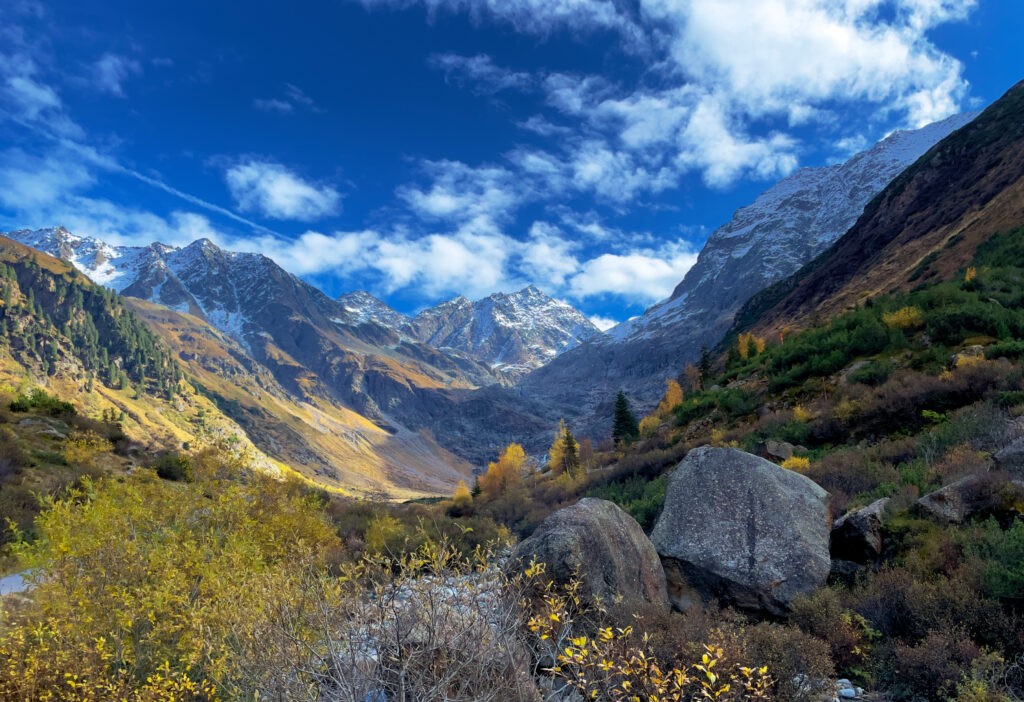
925	225
784	228
325	442
85	345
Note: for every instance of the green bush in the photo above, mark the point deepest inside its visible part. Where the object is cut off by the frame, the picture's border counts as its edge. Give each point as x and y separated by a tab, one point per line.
1001	556
871	373
41	400
641	498
175	466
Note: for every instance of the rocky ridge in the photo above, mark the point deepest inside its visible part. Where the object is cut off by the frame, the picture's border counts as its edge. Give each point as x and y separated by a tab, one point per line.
785	228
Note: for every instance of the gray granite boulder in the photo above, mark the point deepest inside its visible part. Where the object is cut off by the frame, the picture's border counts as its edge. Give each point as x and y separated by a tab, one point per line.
743	530
614	559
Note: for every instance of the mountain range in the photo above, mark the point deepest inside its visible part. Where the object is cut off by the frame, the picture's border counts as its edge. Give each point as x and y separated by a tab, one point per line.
513	333
357	395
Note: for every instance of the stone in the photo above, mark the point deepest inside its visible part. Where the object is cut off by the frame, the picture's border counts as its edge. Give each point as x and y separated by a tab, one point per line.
1011	458
857	535
615	561
776	450
740	529
957	501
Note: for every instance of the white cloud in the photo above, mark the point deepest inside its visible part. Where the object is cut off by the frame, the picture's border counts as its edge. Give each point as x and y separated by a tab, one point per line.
28	181
29	100
603	323
725	78
460	192
769	55
548	256
110	71
274	191
643	275
536	16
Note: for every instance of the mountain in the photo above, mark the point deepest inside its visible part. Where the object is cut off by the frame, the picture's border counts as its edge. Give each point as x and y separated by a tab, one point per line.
315	348
787	226
62	333
925	226
512	333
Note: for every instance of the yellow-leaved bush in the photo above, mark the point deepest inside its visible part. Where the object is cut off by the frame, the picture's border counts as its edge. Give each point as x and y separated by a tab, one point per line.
144	586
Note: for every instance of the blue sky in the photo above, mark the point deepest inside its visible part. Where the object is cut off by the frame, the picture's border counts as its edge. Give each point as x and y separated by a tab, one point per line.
425	148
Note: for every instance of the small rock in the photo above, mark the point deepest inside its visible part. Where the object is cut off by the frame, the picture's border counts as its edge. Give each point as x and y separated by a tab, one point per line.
955	502
1011	458
857	535
776	450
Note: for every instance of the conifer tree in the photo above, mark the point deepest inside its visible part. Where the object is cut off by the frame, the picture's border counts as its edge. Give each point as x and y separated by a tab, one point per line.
625	427
704	366
571	455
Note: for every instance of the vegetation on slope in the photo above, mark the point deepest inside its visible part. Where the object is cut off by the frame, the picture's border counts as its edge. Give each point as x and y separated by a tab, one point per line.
896	398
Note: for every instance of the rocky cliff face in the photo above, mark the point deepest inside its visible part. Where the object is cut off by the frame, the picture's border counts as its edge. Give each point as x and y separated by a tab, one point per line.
786	227
511	333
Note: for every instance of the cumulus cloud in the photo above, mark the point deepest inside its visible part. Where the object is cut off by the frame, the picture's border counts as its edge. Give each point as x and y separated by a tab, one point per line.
643	275
458	191
274	191
726	79
110	71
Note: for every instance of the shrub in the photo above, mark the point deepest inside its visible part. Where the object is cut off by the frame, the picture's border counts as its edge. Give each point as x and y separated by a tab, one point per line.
800	464
871	373
162	577
175	466
41	400
903	318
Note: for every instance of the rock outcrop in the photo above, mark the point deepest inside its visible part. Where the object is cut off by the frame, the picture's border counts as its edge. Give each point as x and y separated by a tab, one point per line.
743	530
857	535
605	547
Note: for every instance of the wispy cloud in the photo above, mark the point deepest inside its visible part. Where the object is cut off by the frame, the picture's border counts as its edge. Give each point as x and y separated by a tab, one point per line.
110	71
272	105
292	98
480	73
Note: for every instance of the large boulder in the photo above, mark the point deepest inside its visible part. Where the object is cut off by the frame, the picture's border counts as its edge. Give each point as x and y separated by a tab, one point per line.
743	530
857	535
594	539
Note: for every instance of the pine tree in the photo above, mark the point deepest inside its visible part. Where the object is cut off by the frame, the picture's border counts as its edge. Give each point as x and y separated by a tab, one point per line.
571	455
625	428
704	366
